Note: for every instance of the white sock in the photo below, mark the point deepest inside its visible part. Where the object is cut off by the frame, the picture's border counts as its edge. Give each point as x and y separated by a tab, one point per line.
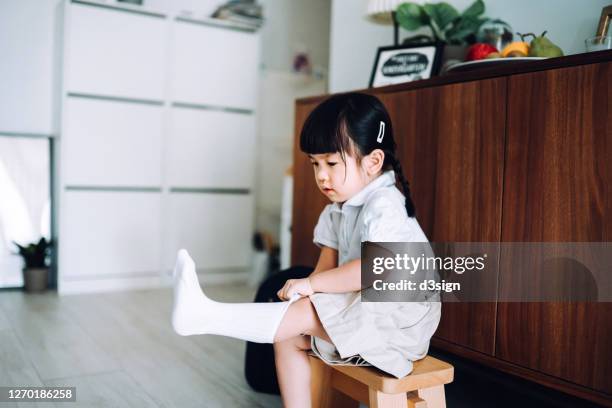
194	313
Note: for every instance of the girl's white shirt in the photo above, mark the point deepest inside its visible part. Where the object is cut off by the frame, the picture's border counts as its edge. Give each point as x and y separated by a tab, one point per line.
387	335
376	214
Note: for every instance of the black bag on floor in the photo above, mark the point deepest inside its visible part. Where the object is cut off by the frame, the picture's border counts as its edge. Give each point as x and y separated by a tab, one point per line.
259	367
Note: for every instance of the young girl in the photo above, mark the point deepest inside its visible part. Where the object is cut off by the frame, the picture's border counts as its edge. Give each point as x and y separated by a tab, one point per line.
349	141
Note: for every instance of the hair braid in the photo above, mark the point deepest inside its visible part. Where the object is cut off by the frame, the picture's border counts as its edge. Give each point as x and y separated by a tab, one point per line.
399	175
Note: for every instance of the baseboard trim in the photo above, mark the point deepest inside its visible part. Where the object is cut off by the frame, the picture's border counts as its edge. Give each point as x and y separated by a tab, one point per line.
223	278
153	281
523	373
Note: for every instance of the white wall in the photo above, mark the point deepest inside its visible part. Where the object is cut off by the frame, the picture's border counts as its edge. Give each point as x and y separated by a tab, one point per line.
295	25
354	39
291	26
26	65
279	90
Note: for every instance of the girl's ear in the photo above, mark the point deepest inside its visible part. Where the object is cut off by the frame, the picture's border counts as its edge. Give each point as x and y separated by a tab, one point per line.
374	161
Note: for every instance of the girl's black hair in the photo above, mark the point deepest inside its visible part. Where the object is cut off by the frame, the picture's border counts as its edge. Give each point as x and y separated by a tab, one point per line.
349	123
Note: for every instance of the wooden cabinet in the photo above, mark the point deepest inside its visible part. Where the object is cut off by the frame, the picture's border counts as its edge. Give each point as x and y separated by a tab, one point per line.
452	155
308	202
516	155
557	189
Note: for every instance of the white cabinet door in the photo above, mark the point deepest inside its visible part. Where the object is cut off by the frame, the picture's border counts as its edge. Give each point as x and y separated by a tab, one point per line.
210	149
213	66
115	53
216	229
108	143
109	234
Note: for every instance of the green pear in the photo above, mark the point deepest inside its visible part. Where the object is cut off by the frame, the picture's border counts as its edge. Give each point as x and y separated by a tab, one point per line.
543	47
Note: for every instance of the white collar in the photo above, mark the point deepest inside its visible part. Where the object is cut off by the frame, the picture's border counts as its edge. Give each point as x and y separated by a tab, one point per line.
384	180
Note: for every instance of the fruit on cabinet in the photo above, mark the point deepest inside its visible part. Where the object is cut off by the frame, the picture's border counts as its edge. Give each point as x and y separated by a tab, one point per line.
479	51
542	47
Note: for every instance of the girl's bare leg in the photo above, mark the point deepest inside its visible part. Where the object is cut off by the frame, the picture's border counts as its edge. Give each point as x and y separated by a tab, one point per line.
290	352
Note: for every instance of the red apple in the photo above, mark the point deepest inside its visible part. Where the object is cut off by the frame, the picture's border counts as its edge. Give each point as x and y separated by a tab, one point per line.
479	51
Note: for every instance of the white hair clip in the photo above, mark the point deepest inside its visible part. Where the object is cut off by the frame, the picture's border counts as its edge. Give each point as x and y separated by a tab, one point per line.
381	132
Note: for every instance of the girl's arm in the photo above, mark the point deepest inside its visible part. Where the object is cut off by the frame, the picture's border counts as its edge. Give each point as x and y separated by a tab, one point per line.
327	277
345	278
328	259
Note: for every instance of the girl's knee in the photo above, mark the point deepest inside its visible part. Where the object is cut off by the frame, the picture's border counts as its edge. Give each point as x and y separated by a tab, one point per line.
302	318
314	326
305	303
309	314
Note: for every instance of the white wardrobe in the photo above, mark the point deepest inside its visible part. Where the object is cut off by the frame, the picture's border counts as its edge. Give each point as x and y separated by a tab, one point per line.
156	146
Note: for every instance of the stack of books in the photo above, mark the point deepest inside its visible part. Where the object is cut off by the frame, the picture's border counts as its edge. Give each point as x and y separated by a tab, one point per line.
242	12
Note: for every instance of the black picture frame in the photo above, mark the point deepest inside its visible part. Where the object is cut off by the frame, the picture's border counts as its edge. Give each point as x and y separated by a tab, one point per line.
432	49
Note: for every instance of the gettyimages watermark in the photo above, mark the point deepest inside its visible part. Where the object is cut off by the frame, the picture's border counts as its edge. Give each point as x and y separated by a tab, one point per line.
486	272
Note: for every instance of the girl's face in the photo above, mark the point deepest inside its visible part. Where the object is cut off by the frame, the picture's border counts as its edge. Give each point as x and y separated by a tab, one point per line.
336	180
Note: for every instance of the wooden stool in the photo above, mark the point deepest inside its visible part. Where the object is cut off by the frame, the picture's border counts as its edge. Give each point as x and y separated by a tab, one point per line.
335	386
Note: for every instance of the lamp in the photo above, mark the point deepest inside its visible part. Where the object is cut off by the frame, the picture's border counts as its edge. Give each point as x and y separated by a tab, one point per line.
383	12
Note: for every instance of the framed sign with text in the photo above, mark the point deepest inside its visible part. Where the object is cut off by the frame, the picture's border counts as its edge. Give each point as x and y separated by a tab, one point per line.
405	63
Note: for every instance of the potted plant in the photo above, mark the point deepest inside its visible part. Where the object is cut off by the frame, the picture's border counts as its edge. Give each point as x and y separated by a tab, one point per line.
448	26
36	269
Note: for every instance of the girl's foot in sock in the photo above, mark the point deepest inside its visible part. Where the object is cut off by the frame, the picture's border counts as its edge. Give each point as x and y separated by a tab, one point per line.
194	313
189	313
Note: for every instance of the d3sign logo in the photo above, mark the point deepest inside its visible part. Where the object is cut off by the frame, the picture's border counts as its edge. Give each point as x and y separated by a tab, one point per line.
405	63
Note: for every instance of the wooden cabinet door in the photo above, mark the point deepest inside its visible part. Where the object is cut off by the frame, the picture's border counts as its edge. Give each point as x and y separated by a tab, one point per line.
557	181
451	141
308	201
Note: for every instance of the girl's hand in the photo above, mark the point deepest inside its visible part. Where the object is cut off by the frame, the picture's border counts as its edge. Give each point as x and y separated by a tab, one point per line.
293	286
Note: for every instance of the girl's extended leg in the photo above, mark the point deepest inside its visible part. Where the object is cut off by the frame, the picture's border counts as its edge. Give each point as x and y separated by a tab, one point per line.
288	325
194	313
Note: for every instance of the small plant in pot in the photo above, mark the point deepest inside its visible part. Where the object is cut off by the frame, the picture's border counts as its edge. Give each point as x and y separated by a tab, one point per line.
447	25
36	267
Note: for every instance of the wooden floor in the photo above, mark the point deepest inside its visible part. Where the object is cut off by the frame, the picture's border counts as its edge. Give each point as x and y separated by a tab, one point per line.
119	350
